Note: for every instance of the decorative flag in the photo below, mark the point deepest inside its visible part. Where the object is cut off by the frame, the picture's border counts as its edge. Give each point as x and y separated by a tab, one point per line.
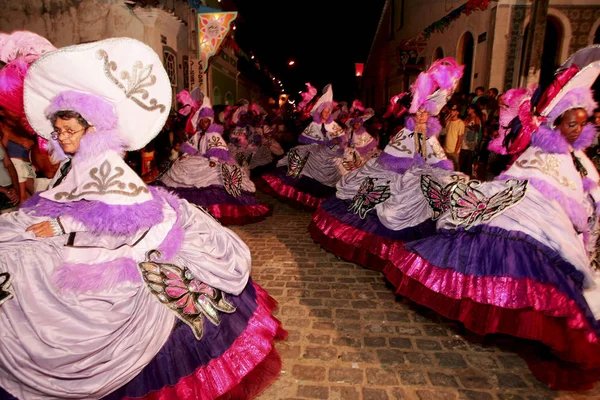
214	26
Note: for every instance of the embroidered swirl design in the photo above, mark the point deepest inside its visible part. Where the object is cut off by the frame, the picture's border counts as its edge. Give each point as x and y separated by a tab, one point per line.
104	182
133	85
397	144
215	141
548	165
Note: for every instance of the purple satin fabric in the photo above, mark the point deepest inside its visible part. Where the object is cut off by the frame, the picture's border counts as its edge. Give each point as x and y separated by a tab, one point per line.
211	195
338	209
182	353
491	251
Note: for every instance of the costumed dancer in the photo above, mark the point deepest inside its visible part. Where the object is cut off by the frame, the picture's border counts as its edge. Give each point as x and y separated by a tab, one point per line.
265	146
358	137
380	206
512	256
239	139
207	176
309	172
109	288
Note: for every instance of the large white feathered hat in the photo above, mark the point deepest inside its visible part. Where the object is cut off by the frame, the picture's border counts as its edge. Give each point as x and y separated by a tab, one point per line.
115	84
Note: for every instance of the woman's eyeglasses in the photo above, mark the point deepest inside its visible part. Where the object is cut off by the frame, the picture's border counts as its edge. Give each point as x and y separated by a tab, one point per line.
69	133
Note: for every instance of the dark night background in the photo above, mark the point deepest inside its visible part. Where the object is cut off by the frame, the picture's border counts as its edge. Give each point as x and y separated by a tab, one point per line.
325	38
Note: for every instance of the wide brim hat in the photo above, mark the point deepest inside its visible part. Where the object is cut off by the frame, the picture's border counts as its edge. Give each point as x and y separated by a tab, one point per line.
120	75
574	93
326	98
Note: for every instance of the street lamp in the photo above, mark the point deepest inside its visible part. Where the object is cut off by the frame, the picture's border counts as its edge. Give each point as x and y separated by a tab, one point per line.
291	63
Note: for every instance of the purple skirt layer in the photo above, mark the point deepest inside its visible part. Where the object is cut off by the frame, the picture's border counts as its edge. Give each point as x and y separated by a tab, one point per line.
491	251
183	353
338	209
304	184
211	195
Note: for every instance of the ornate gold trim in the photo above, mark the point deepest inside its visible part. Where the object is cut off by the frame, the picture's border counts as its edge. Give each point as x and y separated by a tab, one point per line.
140	78
105	183
548	165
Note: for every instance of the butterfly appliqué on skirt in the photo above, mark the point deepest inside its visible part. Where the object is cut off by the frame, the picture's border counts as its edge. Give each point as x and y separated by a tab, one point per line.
5	281
232	179
438	196
368	196
192	301
296	163
469	205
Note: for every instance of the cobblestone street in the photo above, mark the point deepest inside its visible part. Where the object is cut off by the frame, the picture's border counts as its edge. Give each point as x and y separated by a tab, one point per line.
351	338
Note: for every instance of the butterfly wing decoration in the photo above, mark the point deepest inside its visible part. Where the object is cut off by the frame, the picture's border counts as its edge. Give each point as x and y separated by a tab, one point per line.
232	179
438	196
5	281
469	205
353	163
296	163
192	300
368	196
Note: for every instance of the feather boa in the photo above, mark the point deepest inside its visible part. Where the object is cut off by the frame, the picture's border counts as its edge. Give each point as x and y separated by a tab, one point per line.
551	140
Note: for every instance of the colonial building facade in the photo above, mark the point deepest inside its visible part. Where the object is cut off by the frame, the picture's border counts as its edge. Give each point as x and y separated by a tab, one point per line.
169	27
489	43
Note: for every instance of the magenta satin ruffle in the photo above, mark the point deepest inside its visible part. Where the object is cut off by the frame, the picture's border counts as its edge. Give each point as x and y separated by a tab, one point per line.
272	184
352	244
229	214
517	307
246	369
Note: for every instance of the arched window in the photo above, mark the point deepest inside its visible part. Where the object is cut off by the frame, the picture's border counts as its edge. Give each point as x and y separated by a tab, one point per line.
551	52
228	99
216	96
437	54
597	36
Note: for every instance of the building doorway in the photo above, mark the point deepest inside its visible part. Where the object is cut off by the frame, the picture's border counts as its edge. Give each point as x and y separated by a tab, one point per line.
465	54
550	54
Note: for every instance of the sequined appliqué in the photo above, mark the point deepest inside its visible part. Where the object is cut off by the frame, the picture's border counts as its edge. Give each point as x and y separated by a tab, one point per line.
192	301
469	205
296	163
137	81
549	165
5	281
438	196
368	196
232	179
105	182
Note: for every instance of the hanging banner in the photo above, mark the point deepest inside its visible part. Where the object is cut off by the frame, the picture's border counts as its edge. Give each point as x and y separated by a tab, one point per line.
213	27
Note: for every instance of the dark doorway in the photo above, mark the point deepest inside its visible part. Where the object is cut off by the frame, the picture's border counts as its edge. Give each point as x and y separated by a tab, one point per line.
466	50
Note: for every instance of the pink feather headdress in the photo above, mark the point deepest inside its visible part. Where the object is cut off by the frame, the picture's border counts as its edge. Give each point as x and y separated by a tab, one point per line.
517	105
433	88
23	44
307	96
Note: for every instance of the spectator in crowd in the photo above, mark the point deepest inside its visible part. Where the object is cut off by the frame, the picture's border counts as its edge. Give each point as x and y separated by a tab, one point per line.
455	129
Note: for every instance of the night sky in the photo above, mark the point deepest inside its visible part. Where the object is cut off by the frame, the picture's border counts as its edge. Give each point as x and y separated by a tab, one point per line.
325	38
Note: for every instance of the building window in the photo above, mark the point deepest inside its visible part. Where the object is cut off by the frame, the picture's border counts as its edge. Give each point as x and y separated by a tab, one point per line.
216	96
186	72
170	62
438	54
228	99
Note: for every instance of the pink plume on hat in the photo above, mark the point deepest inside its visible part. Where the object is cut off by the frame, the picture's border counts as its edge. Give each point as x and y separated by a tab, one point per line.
12	77
23	44
443	75
307	96
357	105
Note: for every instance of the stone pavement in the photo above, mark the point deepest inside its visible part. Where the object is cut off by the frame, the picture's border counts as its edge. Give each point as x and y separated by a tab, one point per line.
351	338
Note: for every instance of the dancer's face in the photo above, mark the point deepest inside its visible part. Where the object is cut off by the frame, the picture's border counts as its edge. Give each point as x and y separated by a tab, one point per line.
572	123
204	124
69	133
325	114
421	116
